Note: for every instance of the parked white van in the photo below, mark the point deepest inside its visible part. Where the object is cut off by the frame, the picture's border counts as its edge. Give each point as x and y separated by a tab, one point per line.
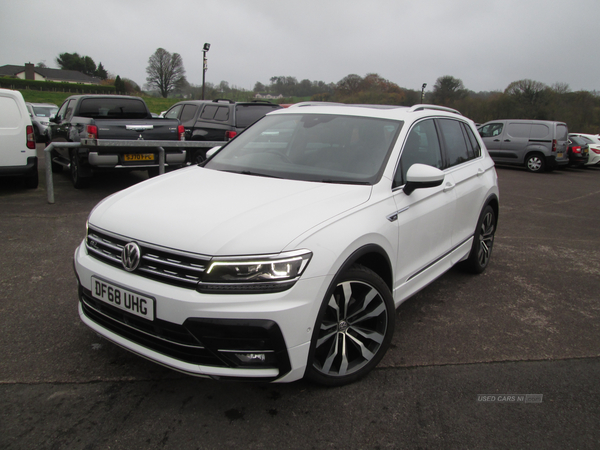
538	145
18	155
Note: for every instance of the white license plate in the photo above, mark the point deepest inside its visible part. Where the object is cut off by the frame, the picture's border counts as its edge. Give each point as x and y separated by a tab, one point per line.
133	302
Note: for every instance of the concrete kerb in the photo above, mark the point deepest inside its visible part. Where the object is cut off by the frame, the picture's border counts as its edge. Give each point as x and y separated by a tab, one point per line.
118	143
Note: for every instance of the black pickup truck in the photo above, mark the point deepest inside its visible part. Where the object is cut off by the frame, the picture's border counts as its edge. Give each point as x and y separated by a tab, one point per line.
216	120
113	117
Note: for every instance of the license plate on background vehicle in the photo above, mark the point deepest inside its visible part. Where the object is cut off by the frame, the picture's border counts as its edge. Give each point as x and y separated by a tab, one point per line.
133	302
559	155
138	157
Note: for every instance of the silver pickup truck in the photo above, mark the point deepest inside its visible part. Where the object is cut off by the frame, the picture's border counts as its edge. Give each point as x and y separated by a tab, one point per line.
110	117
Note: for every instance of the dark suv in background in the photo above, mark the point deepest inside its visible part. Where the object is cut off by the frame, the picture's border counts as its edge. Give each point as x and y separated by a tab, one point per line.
216	120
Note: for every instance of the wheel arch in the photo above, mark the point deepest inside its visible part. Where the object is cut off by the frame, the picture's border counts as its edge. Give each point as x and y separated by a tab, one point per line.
374	257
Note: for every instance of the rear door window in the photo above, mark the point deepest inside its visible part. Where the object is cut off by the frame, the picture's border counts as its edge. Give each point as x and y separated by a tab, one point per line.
455	144
188	114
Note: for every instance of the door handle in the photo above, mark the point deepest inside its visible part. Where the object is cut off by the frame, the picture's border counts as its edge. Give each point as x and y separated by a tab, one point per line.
449	186
480	172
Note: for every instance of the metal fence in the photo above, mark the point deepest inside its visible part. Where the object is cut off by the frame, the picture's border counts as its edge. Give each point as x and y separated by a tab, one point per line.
90	143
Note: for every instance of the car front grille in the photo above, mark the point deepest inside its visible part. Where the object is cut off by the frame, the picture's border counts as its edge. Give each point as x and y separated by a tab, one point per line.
165	265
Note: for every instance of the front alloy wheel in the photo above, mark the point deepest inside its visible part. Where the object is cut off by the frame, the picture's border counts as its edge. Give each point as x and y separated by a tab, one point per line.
353	330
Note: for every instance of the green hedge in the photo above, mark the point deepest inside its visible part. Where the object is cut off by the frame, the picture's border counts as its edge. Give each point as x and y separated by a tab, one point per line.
73	88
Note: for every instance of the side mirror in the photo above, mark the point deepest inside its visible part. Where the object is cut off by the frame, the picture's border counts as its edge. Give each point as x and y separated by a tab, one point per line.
212	151
420	176
55	119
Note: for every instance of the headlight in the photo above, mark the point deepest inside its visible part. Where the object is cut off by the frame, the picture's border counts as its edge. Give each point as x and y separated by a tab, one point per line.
261	274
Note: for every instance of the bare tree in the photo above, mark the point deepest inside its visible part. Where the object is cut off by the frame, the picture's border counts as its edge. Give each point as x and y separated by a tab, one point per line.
165	71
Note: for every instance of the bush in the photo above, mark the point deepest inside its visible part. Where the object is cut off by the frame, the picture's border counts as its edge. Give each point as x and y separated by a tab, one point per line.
72	88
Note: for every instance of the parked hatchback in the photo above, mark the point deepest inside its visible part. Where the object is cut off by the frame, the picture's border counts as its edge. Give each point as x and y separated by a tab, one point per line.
216	120
578	151
593	141
287	252
538	145
18	156
40	114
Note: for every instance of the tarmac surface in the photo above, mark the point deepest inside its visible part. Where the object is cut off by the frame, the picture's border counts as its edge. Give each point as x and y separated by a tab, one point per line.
506	359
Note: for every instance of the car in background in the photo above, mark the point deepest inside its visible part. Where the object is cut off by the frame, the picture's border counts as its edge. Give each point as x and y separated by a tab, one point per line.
593	140
539	145
286	253
40	114
216	120
18	156
578	151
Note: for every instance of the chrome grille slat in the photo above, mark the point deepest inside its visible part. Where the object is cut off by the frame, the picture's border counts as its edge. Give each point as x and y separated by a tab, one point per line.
162	264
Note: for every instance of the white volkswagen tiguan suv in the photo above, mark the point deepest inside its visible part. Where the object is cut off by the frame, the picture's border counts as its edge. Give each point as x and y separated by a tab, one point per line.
286	253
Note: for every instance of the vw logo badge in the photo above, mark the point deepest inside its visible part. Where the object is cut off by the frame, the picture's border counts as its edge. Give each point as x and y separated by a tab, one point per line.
131	257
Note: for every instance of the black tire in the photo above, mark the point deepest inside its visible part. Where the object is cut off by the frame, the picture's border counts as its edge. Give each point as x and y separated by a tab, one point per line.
199	156
483	242
78	181
353	330
535	163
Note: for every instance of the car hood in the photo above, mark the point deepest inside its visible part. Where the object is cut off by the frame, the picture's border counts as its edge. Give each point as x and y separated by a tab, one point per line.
218	213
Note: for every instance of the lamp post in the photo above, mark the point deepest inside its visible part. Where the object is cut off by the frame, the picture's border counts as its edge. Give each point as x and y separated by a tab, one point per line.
423	92
204	50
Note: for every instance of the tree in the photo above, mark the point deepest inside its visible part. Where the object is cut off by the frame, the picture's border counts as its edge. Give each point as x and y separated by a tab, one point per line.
101	72
165	72
72	61
119	85
448	90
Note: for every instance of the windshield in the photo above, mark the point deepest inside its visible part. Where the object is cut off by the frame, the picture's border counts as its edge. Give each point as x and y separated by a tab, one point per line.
44	111
312	147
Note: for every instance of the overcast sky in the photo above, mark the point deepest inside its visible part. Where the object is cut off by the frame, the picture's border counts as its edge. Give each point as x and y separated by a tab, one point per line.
486	44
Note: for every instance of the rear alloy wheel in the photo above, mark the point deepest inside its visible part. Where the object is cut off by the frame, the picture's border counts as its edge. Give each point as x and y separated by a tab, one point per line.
354	328
483	242
535	163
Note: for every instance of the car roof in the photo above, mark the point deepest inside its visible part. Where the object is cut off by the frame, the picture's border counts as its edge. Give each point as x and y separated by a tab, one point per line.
376	111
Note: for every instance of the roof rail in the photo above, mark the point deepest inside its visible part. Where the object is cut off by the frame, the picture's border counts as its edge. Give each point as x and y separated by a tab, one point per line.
295	105
436	107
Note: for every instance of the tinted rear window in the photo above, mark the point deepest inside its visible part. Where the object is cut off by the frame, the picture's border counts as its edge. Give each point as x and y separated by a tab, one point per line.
246	115
113	108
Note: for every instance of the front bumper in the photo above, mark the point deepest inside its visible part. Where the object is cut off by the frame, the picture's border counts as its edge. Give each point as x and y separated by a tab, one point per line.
262	337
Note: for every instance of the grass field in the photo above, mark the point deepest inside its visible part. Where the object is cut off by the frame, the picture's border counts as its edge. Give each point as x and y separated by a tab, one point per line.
156	105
